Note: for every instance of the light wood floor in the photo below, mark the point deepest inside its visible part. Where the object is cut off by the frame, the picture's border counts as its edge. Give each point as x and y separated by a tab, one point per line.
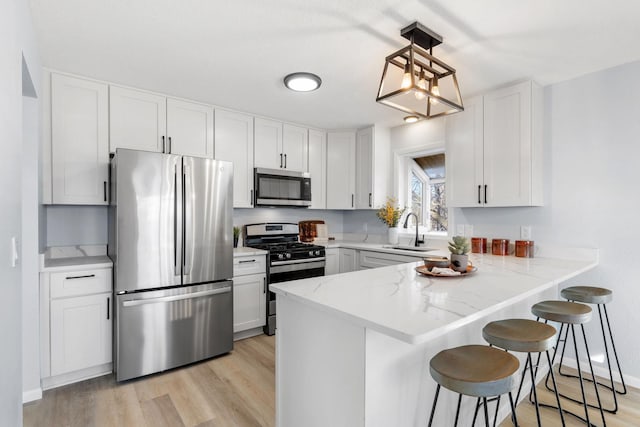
233	390
238	390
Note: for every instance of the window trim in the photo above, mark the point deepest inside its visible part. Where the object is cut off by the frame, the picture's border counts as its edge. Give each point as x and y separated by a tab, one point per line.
415	169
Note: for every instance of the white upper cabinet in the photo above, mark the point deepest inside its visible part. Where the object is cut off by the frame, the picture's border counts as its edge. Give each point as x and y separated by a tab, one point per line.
79	141
138	120
268	144
318	168
234	143
341	175
151	122
189	128
295	147
494	150
372	167
280	146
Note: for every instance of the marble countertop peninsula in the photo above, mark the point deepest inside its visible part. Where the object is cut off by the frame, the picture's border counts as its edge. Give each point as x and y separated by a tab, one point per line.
399	302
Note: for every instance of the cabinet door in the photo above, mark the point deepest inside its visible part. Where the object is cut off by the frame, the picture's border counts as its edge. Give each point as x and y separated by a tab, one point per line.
249	302
234	142
348	259
268	144
295	148
341	178
464	156
332	261
364	169
189	128
79	141
137	120
80	332
318	168
507	146
371	259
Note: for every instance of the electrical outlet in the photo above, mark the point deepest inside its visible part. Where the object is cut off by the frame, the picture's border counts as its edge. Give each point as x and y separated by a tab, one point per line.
460	230
525	232
365	227
468	230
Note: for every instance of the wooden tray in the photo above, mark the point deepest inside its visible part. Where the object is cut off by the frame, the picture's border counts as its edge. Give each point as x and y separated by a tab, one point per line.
423	270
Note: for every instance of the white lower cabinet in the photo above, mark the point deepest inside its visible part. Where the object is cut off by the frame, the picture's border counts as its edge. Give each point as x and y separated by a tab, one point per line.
348	259
332	261
80	333
371	259
76	324
249	293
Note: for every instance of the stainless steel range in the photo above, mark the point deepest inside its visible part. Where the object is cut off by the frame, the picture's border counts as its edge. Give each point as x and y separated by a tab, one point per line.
288	259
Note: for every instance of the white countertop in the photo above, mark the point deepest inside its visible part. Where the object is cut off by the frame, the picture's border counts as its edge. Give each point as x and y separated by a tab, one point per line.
76	263
380	247
245	251
413	308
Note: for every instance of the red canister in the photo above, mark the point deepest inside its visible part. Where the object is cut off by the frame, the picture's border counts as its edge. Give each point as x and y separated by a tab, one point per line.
479	245
524	248
500	246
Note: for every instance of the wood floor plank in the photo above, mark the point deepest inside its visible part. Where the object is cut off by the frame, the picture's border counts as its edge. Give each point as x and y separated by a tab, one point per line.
160	412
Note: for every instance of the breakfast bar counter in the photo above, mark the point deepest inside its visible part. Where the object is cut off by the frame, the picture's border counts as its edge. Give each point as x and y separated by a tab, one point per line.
353	349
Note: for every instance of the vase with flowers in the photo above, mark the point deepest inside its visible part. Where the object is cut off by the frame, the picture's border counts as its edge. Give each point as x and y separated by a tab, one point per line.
390	214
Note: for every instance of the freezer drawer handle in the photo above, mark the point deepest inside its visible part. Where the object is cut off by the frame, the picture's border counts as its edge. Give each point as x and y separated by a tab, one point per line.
134	302
80	277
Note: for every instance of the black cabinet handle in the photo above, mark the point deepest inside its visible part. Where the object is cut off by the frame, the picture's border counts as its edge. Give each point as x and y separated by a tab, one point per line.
246	261
163	147
352	197
169	146
479	200
108	307
370	200
104	190
251	199
264	285
280	159
485	193
80	277
285	161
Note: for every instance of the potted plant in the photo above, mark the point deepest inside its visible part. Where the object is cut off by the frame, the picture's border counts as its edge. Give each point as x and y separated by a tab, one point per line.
236	236
459	247
390	214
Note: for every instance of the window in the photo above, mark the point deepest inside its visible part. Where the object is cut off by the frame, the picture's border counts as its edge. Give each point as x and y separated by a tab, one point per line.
427	196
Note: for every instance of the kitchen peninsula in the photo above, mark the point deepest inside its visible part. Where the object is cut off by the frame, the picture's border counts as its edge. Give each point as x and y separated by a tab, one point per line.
353	349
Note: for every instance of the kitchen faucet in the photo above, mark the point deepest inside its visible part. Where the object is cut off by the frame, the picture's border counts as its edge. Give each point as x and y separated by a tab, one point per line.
406	222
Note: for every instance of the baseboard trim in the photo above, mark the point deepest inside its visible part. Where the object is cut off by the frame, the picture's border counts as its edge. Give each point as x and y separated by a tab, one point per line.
248	333
603	372
31	395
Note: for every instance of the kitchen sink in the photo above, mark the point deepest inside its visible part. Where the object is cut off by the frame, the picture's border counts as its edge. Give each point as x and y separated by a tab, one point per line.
410	248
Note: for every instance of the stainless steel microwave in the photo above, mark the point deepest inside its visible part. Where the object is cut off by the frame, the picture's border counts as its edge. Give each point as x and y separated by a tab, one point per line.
281	187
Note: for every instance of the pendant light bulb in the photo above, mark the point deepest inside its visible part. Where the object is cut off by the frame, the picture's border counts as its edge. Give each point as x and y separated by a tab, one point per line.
422	84
406	77
435	90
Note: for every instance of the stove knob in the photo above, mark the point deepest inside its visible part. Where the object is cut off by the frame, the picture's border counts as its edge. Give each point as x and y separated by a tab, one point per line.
310	253
288	256
280	256
317	253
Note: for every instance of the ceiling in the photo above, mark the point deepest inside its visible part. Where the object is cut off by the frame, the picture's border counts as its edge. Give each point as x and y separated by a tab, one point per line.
236	53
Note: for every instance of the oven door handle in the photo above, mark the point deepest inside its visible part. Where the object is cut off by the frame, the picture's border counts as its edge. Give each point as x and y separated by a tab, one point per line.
296	267
297	261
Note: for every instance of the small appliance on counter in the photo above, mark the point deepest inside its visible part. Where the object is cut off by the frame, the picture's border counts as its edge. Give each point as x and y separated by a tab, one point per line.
288	259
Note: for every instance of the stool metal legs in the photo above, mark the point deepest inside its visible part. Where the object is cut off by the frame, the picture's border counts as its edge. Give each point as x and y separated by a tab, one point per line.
595	386
606	350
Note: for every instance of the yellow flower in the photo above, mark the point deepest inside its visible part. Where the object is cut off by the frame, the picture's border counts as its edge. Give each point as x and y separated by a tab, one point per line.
389	213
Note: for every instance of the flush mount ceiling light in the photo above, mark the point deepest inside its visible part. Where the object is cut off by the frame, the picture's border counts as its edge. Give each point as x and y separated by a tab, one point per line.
415	81
302	82
411	119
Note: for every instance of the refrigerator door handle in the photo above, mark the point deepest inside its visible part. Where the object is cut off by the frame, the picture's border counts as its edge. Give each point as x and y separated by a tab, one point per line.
188	217
177	220
134	302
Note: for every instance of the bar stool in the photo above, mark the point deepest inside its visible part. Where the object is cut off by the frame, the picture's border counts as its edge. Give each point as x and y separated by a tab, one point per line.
599	297
570	314
474	370
525	336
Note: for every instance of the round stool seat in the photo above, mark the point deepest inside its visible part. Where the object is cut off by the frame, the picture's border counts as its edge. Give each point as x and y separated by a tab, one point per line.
475	370
523	335
562	311
588	294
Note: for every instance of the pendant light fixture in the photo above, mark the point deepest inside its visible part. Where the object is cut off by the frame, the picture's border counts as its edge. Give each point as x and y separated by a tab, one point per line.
415	81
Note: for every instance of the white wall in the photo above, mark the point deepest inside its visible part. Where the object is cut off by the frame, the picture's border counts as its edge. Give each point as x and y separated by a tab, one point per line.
591	190
16	40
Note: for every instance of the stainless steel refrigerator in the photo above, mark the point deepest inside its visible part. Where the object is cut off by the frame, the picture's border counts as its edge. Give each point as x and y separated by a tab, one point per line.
171	242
